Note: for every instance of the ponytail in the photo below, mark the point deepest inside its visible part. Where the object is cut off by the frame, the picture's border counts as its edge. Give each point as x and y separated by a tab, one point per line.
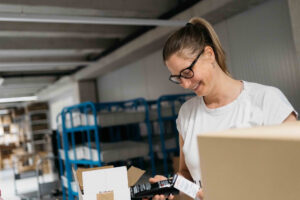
197	34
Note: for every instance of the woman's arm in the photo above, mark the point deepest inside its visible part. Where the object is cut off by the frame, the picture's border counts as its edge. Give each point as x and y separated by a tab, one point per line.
183	170
291	117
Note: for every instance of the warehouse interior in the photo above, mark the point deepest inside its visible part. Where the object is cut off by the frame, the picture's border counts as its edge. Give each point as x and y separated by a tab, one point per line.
56	57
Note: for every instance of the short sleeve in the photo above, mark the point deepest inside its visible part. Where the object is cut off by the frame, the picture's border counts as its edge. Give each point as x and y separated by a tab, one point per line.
276	107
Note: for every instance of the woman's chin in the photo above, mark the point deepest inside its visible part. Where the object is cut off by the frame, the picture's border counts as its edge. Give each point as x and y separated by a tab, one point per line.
199	93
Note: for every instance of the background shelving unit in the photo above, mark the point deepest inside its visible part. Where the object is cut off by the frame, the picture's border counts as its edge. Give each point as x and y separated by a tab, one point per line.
38	127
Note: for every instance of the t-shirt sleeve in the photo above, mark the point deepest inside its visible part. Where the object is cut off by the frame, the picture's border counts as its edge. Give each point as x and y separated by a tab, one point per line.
276	107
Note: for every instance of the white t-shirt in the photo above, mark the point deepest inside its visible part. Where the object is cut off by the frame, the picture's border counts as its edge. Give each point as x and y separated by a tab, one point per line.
256	105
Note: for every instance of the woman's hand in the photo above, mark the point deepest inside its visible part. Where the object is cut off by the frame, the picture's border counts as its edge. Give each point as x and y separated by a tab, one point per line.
159	197
200	194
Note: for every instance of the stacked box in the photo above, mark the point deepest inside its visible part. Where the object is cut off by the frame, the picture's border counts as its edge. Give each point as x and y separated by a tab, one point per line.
6	119
37	106
18	112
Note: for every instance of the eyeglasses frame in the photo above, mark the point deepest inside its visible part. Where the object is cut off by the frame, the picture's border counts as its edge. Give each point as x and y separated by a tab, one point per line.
189	68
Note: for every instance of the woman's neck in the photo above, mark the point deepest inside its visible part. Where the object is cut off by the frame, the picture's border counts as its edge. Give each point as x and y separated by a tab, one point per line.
224	91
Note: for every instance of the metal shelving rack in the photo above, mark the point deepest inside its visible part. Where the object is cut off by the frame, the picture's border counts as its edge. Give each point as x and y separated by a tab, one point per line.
174	102
89	131
38	129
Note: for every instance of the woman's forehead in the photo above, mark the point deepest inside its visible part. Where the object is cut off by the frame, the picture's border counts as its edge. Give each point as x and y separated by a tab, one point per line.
180	57
176	63
186	53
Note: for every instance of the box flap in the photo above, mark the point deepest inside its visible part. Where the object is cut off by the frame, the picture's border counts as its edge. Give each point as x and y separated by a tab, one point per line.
134	174
105	196
77	184
80	170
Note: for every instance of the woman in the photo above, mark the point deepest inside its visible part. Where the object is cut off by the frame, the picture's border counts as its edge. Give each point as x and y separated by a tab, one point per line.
196	60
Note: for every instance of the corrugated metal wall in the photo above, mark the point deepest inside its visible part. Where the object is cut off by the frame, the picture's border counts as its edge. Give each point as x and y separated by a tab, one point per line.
259	48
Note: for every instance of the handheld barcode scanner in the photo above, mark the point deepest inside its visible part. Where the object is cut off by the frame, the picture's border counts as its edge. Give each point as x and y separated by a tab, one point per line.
148	190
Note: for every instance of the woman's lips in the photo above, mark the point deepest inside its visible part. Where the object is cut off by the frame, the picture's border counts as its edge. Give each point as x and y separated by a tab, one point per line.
196	86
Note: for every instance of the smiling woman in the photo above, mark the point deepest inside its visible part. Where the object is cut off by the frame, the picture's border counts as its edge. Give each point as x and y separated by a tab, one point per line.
197	61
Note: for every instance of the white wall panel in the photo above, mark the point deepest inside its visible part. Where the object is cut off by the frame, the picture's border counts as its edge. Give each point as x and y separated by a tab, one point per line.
110	87
148	78
56	106
158	78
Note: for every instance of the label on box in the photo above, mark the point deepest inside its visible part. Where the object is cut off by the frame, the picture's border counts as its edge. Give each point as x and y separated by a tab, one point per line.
189	188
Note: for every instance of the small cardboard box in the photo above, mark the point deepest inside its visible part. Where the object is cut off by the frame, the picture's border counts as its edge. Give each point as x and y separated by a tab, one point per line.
6	119
106	183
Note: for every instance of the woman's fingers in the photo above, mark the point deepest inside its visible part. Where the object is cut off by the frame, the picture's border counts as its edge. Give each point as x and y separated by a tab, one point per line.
159	197
157	178
200	194
171	197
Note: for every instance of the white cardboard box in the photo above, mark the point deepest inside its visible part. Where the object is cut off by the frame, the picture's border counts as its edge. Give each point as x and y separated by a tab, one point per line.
107	179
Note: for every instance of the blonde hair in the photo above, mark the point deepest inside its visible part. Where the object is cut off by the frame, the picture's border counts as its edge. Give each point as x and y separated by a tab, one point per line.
194	36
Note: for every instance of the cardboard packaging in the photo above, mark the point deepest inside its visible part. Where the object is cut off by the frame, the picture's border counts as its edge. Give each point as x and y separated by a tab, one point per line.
260	163
106	183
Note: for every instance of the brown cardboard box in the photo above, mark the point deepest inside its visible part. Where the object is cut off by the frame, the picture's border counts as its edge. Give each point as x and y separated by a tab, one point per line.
6	119
251	163
182	196
105	196
46	164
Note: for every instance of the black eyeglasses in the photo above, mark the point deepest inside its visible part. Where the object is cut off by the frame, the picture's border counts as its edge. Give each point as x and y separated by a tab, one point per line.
186	73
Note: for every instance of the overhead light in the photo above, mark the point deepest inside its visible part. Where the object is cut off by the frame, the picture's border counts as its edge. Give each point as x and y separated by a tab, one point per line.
1	80
18	99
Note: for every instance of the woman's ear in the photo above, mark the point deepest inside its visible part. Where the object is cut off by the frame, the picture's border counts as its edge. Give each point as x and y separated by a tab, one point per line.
209	54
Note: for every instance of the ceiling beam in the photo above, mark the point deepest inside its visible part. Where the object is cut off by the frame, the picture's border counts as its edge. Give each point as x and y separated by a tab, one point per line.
104	30
42	66
28	80
112	6
41	53
39	18
54	43
53	34
34	74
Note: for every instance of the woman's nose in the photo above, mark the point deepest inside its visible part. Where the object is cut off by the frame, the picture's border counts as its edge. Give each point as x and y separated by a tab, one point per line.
185	83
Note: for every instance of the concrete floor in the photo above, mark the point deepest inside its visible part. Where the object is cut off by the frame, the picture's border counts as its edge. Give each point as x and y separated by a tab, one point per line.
23	186
7	185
